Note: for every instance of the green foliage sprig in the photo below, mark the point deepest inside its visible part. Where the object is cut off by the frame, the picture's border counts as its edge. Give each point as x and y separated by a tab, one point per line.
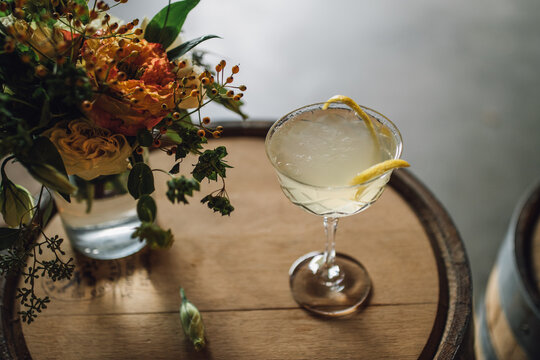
19	245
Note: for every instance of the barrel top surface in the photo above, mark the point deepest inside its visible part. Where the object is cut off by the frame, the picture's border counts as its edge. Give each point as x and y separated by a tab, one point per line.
235	269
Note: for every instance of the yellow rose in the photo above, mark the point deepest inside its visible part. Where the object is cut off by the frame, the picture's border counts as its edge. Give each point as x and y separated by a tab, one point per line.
44	39
89	151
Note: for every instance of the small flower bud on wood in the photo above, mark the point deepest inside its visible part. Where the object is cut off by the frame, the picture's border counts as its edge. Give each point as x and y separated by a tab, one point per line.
192	322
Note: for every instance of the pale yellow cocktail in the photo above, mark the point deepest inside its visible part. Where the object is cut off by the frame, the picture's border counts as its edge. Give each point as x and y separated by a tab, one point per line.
332	160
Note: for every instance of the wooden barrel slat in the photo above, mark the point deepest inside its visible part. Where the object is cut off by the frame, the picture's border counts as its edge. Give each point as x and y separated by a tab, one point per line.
509	320
235	270
535	252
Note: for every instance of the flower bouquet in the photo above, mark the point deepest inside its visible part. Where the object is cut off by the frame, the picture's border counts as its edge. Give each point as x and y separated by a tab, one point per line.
82	99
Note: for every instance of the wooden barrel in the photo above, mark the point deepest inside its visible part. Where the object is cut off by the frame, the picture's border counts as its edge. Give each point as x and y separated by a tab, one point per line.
235	269
509	318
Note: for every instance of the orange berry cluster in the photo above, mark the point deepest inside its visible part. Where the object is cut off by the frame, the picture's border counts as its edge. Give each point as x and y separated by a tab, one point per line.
115	29
206	79
216	133
186	84
220	69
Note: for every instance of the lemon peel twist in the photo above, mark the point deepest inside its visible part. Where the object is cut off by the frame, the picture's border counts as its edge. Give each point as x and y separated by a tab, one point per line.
378	169
357	109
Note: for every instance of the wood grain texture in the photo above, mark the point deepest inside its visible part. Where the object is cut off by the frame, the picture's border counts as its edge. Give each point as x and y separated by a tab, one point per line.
258	334
235	270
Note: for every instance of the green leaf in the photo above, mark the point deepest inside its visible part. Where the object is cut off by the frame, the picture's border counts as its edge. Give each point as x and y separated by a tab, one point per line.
180	187
173	136
188	45
43	153
8	237
51	178
166	24
140	180
210	165
146	208
144	137
175	169
155	237
190	141
45	114
218	203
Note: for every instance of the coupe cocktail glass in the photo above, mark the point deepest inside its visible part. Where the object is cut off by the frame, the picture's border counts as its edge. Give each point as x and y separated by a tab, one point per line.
316	154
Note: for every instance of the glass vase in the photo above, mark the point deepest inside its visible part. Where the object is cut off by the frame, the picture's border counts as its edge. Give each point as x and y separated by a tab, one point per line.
101	217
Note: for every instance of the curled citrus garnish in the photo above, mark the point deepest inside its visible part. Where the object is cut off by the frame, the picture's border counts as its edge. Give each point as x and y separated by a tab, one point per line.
357	109
377	170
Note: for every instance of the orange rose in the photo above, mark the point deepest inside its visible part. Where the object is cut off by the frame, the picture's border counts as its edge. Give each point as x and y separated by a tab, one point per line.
137	83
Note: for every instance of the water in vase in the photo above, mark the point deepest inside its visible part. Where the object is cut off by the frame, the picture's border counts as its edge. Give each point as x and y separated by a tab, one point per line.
104	232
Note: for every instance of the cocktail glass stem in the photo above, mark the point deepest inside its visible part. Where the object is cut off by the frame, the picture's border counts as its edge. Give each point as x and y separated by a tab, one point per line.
329	272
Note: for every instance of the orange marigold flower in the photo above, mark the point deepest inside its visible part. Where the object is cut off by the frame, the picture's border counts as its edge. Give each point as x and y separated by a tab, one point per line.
144	92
